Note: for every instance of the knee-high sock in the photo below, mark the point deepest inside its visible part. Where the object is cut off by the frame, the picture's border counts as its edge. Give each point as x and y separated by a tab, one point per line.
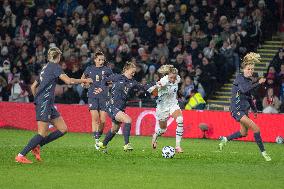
98	134
258	141
32	144
109	137
126	132
179	130
160	131
51	137
234	136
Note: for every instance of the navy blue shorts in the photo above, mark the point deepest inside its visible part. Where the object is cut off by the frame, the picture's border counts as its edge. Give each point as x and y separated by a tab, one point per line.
237	115
112	112
46	112
97	104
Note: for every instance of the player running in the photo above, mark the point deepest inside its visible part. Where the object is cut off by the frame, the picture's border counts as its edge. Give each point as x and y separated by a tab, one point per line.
43	91
97	102
167	104
241	102
121	85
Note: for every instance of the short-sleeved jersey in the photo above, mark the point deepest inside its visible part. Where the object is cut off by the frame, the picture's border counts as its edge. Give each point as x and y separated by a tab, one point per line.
97	74
121	85
46	83
167	92
241	94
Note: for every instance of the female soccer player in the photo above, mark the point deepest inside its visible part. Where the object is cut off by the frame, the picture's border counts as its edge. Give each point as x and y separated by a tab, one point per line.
43	91
241	102
167	104
97	102
121	85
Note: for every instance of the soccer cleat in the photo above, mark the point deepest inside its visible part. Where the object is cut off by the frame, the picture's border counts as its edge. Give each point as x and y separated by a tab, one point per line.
127	147
179	149
266	156
154	141
223	142
102	147
36	152
22	159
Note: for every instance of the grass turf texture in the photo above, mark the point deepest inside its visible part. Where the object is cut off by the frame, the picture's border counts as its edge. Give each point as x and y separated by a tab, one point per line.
73	162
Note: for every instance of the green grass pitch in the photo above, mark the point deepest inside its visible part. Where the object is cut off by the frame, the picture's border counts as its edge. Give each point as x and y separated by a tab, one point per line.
72	162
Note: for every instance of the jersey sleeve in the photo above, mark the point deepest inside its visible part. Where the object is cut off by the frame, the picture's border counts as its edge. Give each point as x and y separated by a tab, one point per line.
57	70
164	81
244	85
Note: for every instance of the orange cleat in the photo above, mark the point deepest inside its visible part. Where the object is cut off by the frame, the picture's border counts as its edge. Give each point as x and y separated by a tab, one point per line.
22	159
36	152
179	149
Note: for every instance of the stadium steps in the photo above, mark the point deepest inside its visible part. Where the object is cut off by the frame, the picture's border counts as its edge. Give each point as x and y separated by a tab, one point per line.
220	100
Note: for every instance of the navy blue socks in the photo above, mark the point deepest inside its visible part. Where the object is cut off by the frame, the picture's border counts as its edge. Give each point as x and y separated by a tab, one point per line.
258	141
32	144
126	132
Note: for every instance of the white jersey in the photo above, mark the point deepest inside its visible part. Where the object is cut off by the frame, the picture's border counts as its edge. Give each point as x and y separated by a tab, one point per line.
167	92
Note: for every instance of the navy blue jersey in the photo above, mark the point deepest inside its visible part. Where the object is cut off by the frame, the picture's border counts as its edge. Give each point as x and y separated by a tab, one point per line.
46	83
241	94
97	74
121	85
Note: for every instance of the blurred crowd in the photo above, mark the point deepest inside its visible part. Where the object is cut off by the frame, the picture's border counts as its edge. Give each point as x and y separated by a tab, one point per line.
204	39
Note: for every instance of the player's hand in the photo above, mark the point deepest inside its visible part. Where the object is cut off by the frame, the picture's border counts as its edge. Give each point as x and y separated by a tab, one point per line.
97	90
261	80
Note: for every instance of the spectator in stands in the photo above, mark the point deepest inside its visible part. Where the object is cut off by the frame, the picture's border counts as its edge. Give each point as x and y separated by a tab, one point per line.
121	29
195	102
270	103
278	60
4	95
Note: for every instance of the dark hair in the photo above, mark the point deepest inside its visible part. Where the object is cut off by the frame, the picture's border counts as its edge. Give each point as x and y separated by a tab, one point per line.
98	53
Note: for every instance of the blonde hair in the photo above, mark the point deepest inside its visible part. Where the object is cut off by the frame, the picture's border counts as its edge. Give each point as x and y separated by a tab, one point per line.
128	66
251	59
166	69
53	53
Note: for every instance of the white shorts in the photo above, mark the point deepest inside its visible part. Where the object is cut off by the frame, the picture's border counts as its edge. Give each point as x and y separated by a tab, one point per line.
163	113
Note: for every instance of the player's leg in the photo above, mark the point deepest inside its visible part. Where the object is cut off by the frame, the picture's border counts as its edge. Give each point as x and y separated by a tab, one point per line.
237	115
251	125
95	126
103	116
109	135
126	119
61	127
162	115
177	115
36	140
160	131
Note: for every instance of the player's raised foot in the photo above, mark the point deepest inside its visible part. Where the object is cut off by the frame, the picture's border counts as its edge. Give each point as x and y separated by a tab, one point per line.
223	142
179	149
266	156
22	159
36	153
102	147
154	141
127	147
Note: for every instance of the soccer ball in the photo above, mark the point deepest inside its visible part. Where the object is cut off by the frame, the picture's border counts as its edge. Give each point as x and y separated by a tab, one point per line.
279	140
168	152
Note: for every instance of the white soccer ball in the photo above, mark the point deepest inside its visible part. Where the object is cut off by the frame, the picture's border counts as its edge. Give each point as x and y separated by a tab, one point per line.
168	152
279	140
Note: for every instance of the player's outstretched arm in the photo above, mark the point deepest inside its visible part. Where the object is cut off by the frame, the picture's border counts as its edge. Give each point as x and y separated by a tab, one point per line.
73	81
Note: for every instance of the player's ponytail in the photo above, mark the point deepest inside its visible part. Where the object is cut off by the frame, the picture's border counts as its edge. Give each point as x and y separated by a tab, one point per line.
250	59
128	65
53	53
